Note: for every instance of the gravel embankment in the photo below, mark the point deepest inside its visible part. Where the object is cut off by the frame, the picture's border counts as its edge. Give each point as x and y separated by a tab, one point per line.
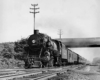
70	75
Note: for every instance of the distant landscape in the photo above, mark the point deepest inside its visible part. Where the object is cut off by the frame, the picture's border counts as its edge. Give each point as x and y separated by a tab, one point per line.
96	64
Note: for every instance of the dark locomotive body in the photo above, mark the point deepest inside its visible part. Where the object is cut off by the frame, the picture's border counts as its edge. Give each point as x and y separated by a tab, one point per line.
46	52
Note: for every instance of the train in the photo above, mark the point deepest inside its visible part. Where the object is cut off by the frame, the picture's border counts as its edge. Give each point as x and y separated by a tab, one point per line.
43	51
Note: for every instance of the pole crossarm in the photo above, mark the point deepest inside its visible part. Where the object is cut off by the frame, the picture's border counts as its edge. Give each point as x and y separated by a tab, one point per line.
34	4
34	12
35	8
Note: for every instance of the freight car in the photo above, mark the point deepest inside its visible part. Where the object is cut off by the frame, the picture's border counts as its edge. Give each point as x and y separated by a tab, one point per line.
82	60
43	51
73	58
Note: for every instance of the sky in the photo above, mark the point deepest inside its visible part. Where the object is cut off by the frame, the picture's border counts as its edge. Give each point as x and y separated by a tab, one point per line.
76	19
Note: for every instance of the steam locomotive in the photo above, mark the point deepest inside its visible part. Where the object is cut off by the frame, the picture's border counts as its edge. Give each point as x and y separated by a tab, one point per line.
42	51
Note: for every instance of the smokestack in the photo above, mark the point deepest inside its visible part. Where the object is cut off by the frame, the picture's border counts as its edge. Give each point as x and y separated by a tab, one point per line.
36	31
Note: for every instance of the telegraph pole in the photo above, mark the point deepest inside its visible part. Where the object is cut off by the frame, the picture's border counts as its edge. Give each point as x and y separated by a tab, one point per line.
60	33
34	12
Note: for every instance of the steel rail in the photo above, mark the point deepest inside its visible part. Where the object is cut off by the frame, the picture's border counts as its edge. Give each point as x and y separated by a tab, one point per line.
44	77
14	71
6	77
47	75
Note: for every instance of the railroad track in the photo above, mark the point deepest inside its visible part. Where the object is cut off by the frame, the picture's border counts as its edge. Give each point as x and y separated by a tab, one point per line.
34	74
18	75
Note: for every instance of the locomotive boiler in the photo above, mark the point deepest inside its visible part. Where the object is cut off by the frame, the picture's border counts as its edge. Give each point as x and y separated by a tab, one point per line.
42	51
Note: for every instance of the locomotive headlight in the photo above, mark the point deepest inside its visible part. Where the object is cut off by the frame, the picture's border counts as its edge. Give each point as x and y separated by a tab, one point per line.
33	41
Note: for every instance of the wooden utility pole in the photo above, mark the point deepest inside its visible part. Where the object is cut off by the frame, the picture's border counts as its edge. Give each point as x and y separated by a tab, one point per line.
34	12
60	33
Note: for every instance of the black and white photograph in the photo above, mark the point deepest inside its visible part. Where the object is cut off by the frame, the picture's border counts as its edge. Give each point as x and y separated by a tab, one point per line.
49	39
